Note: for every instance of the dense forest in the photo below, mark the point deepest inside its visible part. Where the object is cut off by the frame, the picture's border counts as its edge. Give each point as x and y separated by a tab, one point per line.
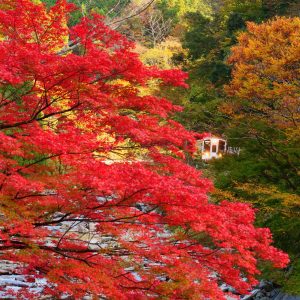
242	58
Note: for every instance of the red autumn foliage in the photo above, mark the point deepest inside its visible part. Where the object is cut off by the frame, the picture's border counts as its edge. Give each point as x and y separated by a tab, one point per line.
139	228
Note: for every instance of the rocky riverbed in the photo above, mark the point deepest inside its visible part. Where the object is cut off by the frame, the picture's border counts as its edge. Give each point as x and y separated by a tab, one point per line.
267	290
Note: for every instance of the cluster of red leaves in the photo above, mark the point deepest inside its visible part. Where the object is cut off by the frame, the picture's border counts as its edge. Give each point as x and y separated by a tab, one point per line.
139	228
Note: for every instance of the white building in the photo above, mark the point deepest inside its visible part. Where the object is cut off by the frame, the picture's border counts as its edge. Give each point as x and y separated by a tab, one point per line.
212	147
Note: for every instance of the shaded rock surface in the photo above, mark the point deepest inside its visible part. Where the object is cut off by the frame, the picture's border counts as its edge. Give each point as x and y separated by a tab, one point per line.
267	290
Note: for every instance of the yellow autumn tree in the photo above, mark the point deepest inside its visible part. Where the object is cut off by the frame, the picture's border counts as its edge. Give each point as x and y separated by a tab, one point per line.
264	92
263	109
185	6
266	73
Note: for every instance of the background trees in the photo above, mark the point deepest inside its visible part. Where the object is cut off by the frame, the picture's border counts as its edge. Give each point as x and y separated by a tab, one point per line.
264	119
265	85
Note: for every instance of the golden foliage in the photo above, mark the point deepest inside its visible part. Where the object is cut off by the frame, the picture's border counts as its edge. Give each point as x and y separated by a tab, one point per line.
185	6
161	56
267	198
266	73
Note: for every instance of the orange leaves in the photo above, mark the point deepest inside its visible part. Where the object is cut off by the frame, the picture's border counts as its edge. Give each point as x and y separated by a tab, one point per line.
266	70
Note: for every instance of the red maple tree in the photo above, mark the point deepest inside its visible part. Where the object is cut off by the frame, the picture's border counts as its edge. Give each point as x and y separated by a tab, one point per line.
141	227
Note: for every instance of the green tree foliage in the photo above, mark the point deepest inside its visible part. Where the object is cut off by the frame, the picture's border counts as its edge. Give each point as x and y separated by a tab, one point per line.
179	8
280	7
109	8
266	94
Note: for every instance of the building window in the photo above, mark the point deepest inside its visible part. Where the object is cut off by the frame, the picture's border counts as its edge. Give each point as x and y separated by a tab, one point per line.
222	146
206	146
